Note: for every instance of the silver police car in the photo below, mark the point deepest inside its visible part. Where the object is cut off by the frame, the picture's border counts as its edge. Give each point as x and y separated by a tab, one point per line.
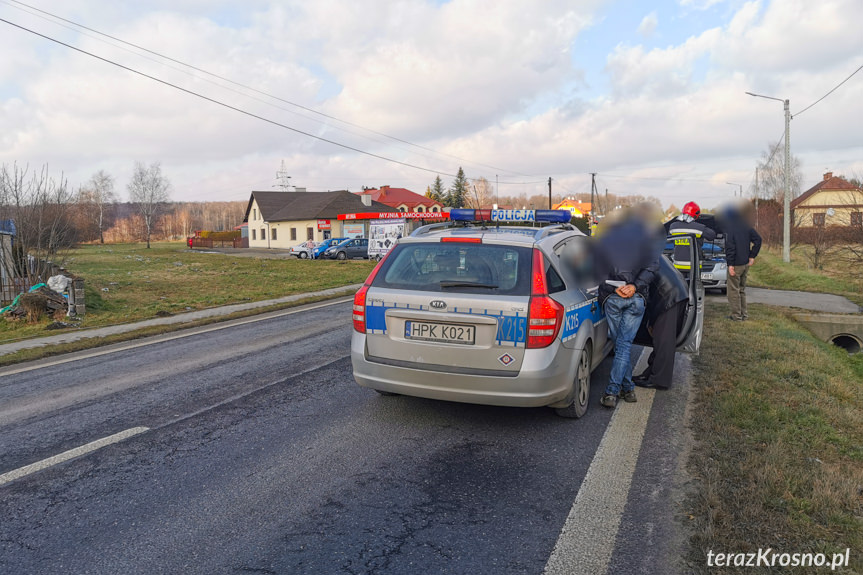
481	314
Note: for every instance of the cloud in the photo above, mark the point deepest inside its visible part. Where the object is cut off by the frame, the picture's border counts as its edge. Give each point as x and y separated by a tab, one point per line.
648	25
499	87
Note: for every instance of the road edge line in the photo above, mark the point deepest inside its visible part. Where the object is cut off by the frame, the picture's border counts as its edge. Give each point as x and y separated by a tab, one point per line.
587	540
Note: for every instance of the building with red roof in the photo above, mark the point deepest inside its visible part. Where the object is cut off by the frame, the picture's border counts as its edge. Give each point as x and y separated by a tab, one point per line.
833	201
402	199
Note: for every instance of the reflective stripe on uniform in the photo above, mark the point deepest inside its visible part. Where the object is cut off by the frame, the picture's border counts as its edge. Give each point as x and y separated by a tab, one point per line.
681	231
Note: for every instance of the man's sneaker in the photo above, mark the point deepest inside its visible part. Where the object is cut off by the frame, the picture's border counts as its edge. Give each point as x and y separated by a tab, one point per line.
609	400
629	396
641	378
732	318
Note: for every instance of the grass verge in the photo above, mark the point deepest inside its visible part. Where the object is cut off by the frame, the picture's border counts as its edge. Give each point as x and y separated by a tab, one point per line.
37	353
770	271
128	282
779	441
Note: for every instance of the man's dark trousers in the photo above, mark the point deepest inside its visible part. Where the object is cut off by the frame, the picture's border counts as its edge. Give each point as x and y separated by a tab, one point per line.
660	364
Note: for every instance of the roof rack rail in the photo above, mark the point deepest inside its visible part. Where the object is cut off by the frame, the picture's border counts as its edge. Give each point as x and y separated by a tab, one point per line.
548	230
430	228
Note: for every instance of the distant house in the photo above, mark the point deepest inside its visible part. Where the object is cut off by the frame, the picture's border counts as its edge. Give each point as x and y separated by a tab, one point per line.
402	199
284	219
833	201
576	208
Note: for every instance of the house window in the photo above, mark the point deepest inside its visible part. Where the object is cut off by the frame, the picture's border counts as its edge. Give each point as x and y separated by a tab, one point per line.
857	219
254	213
818	219
420	208
435	209
263	233
293	234
310	233
273	234
253	235
403	209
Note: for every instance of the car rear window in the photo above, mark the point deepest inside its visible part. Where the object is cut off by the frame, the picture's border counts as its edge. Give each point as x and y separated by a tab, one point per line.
457	268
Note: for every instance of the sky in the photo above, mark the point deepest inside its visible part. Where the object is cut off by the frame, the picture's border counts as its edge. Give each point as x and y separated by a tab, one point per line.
649	96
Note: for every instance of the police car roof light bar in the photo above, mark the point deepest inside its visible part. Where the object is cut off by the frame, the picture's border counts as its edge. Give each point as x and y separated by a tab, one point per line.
512	216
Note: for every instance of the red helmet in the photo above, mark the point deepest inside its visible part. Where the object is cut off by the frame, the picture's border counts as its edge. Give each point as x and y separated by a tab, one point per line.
691	209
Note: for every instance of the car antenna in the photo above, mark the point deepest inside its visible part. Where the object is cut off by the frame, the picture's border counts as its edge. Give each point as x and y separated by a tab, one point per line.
479	208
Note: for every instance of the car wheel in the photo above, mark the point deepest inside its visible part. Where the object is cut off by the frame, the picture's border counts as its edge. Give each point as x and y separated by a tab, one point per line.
342	256
724	291
581	387
303	255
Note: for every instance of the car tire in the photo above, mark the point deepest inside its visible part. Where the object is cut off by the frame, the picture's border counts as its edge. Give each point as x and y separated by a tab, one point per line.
341	256
724	291
581	388
304	255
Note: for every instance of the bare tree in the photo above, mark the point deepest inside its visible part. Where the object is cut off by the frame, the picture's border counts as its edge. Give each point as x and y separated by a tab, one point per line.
96	199
148	190
479	195
771	173
39	207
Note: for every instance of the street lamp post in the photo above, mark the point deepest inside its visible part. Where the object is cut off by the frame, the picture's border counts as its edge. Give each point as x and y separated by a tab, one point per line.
738	185
786	211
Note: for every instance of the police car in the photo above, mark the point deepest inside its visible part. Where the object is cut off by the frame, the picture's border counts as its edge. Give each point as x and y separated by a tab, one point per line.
477	312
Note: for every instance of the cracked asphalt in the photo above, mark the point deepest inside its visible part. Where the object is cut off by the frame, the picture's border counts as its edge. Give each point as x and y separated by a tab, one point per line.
264	456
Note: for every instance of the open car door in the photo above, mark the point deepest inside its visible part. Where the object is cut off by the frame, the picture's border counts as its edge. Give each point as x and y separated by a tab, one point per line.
691	327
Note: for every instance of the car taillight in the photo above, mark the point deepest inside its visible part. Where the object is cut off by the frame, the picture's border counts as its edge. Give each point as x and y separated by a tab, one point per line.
360	309
359	314
545	315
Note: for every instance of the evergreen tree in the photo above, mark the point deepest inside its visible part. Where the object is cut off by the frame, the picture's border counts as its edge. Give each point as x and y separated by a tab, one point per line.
457	193
437	191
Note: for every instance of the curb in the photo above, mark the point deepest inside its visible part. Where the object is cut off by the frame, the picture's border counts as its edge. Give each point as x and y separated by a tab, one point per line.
180	319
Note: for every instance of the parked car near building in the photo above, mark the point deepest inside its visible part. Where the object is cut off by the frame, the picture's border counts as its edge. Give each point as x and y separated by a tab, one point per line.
304	250
326	244
349	249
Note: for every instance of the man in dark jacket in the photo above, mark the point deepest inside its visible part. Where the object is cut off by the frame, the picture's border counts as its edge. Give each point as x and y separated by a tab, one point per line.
666	305
627	257
742	244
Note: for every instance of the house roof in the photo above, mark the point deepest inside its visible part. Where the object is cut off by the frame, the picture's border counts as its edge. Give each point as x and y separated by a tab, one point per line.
830	182
395	197
293	206
583	207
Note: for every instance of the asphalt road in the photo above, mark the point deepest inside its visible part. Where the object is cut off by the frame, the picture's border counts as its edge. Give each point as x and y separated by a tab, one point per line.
263	456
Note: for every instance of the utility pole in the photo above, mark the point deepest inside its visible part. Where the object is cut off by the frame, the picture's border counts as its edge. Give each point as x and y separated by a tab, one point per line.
284	180
549	192
496	190
605	205
786	212
592	201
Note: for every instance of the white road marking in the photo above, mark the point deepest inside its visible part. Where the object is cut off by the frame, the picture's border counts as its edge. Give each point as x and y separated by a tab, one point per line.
70	454
587	539
185	333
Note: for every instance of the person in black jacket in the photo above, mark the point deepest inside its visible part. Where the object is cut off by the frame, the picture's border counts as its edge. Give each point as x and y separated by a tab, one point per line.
742	244
666	306
627	257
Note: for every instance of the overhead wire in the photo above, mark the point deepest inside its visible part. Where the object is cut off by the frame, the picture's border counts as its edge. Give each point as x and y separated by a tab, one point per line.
226	105
13	4
828	93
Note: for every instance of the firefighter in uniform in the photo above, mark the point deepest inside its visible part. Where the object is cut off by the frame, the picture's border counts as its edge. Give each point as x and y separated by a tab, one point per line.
686	223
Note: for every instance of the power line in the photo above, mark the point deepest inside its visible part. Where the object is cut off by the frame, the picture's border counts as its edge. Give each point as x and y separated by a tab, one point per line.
228	106
245	86
828	93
